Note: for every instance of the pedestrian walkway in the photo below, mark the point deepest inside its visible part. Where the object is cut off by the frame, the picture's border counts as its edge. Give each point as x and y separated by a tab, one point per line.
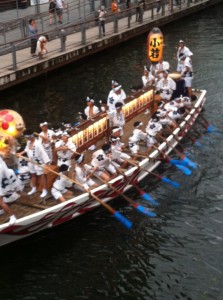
21	66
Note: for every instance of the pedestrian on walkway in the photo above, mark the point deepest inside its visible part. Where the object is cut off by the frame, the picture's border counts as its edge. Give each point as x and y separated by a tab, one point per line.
101	18
33	34
114	6
59	10
52	10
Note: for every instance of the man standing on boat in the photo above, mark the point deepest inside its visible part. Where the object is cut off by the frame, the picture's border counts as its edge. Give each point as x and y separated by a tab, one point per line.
65	149
186	51
187	73
46	139
117	94
36	154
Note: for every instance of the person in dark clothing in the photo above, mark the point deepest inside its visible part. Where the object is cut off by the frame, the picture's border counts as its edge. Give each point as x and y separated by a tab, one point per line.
33	34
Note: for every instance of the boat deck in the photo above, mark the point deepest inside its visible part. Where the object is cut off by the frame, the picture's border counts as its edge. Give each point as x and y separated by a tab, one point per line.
27	205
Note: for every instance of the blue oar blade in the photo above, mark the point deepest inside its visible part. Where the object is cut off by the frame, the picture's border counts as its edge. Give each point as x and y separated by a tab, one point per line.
190	163
171	182
145	211
123	220
212	128
184	169
148	198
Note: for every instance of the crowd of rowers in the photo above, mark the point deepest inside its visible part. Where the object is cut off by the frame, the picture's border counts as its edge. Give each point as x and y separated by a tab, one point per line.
42	148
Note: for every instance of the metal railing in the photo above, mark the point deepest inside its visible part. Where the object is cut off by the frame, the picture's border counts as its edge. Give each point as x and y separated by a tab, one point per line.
75	35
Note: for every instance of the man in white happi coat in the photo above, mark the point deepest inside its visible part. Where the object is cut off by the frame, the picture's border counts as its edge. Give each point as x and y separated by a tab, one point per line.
118	157
166	86
83	173
153	129
186	51
157	69
137	135
117	94
147	79
91	109
116	117
7	183
61	184
101	161
37	154
46	137
65	149
187	73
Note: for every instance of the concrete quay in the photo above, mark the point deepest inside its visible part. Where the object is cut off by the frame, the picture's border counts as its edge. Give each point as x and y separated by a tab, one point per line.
19	66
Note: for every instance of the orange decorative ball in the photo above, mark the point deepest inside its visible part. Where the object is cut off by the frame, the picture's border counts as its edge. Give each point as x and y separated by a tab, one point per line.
11	123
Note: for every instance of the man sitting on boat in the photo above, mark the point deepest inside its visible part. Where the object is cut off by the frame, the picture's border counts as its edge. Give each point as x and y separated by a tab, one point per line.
165	87
91	109
65	149
147	79
153	129
137	136
158	69
84	173
101	161
59	189
117	94
119	159
116	117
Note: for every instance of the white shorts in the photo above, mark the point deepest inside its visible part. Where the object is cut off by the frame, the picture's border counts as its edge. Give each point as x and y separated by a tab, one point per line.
35	169
188	81
150	141
57	193
165	96
111	169
134	148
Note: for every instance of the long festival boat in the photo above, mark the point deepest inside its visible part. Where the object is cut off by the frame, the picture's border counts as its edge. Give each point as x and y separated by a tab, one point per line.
35	214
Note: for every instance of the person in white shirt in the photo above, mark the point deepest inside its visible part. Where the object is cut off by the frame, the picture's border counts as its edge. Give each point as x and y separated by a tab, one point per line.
59	10
116	117
166	86
101	17
119	159
117	94
83	173
186	51
101	161
65	149
91	109
147	79
46	138
137	136
187	72
60	185
159	68
5	185
36	153
153	129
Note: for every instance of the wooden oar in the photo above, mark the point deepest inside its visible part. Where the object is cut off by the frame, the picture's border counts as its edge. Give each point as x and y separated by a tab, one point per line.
143	194
162	178
137	206
182	156
116	214
177	163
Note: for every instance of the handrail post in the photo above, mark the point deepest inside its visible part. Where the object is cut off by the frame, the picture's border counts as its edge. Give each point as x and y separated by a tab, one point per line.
63	38
152	12
141	11
83	34
129	18
99	29
115	24
14	62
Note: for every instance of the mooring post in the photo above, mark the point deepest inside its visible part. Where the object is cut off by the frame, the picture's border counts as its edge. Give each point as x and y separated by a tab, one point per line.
63	38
